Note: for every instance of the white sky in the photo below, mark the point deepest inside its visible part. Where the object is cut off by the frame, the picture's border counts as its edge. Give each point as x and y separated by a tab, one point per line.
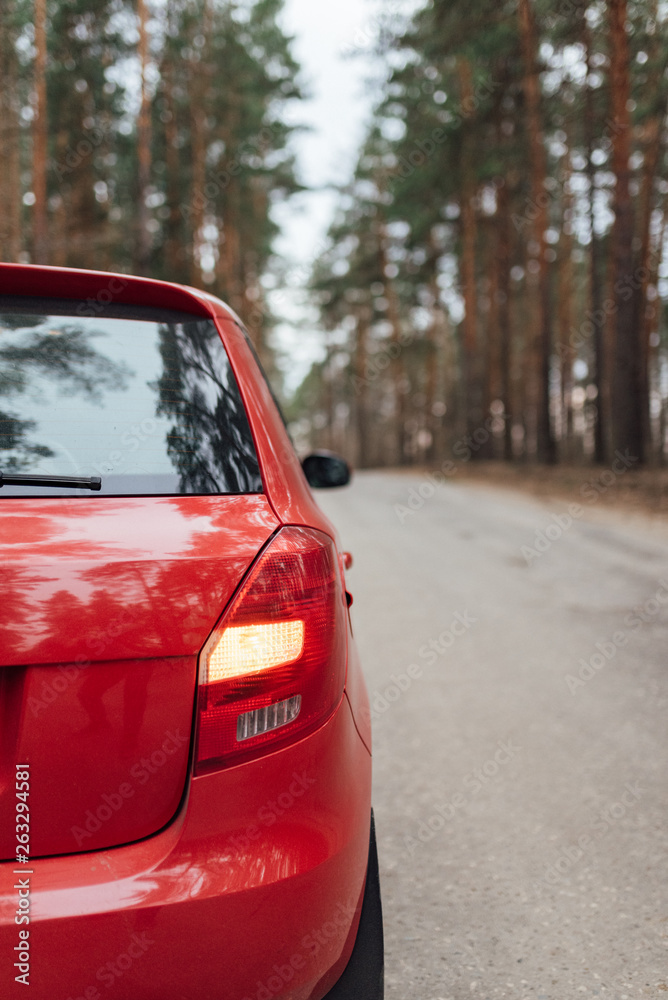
340	105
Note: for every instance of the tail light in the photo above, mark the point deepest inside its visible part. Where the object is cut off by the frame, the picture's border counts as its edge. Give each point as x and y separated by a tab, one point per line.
273	669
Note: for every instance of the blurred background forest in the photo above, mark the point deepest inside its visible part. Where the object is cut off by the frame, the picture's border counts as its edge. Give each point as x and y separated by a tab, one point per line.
494	284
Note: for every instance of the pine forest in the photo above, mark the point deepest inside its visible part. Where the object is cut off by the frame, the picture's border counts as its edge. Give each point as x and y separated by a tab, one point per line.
494	283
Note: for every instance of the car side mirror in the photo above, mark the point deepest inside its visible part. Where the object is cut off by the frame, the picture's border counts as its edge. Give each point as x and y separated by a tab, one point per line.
324	469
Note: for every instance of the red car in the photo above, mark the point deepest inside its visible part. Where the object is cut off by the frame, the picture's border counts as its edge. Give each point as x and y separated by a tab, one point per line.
186	753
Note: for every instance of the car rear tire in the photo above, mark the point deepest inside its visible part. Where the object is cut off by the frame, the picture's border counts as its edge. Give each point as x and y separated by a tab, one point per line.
363	977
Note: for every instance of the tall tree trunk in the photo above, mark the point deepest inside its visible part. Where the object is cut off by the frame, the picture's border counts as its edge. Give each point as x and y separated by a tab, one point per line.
546	445
653	148
329	399
398	369
628	425
641	312
143	241
397	366
10	175
505	343
652	321
250	284
598	316
199	72
174	257
40	131
488	352
361	415
434	338
197	197
229	249
471	373
565	305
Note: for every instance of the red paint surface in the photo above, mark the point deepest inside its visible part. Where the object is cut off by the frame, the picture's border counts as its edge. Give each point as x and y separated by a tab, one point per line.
241	881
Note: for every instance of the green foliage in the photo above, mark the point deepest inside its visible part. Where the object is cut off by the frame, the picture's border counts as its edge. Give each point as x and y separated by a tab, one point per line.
451	130
219	77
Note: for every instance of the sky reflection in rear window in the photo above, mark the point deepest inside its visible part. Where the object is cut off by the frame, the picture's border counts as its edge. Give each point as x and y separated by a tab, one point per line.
150	406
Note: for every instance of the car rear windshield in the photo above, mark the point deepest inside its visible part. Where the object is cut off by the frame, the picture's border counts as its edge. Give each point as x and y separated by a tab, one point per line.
143	399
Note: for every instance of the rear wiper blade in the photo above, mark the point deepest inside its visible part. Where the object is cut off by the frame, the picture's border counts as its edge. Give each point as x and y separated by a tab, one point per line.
70	482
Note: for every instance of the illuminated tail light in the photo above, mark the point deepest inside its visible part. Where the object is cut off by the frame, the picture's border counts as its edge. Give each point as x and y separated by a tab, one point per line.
273	669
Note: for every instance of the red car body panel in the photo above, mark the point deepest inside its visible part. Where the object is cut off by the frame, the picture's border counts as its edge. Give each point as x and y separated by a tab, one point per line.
264	861
244	883
118	768
100	288
144	579
165	568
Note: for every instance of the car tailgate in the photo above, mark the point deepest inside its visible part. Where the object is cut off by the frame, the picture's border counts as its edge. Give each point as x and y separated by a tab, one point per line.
106	604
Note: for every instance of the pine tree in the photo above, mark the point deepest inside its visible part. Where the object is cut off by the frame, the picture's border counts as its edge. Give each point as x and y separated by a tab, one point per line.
499	130
40	132
628	424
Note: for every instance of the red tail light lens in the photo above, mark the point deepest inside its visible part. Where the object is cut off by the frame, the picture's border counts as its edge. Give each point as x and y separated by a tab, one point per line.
273	669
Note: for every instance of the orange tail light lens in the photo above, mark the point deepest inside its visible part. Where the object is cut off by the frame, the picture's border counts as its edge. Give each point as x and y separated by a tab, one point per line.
273	669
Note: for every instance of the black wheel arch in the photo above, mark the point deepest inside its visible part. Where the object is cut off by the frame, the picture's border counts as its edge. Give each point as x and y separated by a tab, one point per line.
363	977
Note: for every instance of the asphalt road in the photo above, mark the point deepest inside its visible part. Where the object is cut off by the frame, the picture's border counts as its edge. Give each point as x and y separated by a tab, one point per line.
517	670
